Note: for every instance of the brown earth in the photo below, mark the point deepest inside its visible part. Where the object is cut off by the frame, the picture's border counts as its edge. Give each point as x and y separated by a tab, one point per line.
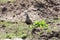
48	10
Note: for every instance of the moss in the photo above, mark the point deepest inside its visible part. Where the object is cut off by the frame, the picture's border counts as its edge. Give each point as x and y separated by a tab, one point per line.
10	35
6	23
14	29
5	1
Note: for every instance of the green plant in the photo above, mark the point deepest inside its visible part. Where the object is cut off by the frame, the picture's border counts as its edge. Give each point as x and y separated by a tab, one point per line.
41	24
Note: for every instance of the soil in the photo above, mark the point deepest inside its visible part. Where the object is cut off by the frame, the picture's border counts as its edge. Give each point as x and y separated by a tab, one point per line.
17	11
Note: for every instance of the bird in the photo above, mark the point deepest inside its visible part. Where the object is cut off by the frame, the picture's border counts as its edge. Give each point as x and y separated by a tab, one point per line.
28	21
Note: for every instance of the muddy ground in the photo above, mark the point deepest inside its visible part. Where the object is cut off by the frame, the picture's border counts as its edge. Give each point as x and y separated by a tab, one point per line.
14	18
